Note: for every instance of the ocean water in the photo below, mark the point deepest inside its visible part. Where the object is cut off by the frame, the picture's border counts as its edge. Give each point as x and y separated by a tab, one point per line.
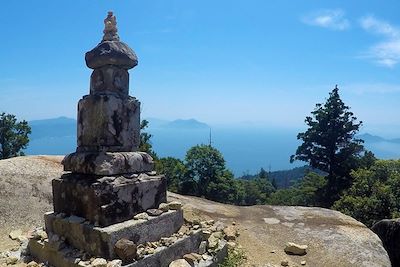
245	150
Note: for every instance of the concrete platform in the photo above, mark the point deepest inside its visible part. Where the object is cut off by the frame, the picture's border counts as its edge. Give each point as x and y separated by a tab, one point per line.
106	200
100	241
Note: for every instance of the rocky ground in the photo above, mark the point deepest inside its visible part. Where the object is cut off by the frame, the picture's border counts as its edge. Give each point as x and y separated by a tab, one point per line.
25	193
332	239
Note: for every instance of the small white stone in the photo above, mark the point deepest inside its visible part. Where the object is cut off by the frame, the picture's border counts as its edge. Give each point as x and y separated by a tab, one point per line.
295	249
179	263
164	207
175	205
115	263
99	262
15	234
141	216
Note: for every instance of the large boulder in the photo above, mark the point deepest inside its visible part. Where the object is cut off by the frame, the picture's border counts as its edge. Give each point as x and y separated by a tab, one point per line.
389	233
332	238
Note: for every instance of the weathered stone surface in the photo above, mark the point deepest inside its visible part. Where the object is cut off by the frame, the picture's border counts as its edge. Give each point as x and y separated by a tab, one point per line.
179	263
43	251
111	53
203	247
110	80
154	212
175	205
163	256
100	241
190	258
218	256
126	250
110	28
99	262
163	207
230	233
389	232
108	123
296	249
333	238
15	234
107	200
141	216
114	263
108	163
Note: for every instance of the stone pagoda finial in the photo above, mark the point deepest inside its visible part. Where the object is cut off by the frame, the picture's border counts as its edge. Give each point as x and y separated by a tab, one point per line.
110	28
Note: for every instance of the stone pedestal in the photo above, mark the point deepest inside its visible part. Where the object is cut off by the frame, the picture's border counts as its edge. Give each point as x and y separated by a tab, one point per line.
108	163
100	241
110	199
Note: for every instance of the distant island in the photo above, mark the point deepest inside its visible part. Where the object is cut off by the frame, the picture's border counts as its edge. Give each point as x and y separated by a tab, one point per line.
245	149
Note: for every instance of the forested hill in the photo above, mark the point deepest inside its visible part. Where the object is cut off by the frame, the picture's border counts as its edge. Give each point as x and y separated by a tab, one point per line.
285	178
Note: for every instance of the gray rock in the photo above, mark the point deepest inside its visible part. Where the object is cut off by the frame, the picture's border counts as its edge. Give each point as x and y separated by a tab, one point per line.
175	205
100	241
203	247
389	232
163	207
284	263
141	216
108	163
107	200
111	53
230	233
154	212
296	249
126	250
213	241
99	262
15	234
108	122
179	263
114	263
191	259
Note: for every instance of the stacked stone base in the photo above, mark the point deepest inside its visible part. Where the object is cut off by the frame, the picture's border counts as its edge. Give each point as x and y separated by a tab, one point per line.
91	214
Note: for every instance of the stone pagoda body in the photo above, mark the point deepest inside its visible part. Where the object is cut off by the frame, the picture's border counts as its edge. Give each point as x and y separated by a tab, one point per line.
110	207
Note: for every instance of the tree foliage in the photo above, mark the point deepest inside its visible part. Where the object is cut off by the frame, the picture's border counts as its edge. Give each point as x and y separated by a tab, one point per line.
329	144
374	194
13	136
145	140
205	164
175	171
306	192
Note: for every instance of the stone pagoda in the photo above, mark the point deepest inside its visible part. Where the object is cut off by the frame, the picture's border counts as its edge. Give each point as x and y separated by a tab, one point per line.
110	207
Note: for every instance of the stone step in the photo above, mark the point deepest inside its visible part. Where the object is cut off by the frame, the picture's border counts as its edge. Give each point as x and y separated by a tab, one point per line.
100	241
163	256
108	200
67	256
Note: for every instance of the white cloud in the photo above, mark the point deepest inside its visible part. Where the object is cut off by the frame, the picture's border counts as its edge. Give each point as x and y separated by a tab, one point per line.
371	24
386	52
333	19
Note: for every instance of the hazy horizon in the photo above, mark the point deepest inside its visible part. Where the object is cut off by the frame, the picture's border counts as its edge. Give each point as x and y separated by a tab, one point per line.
245	149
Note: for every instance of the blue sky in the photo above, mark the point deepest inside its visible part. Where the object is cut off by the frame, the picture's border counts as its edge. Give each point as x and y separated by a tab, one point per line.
253	62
